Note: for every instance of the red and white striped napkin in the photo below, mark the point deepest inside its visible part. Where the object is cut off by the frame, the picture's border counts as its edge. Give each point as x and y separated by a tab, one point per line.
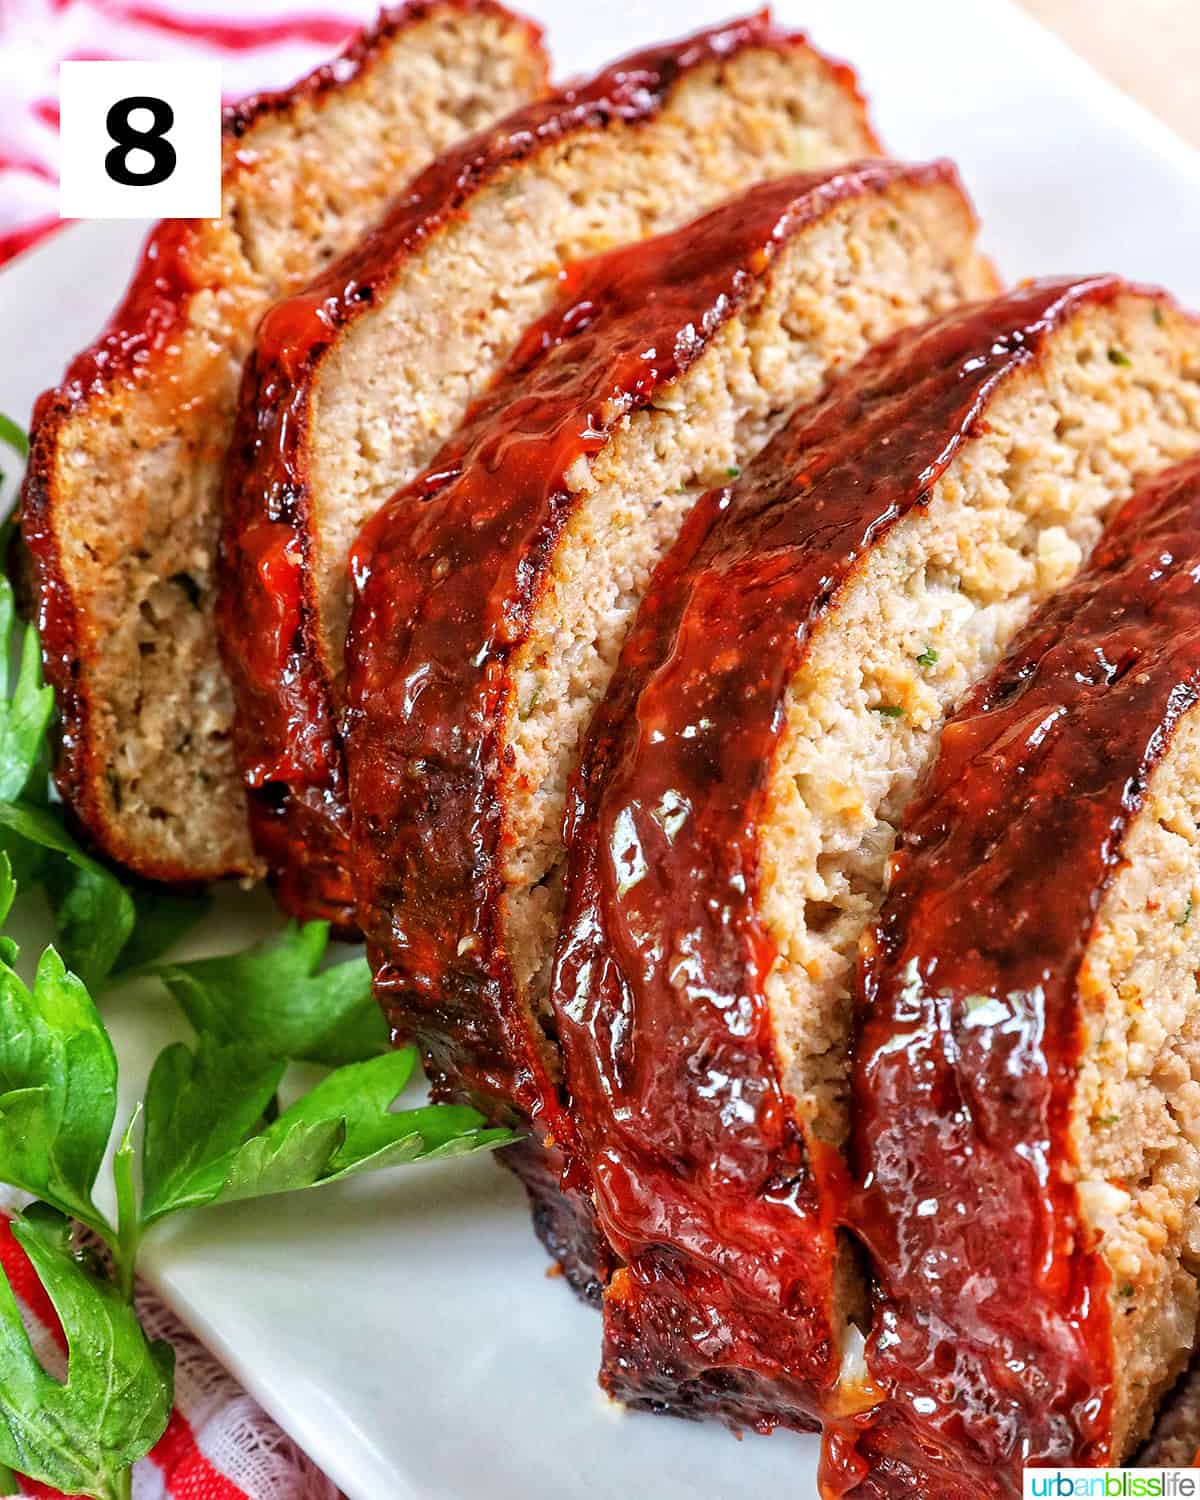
260	44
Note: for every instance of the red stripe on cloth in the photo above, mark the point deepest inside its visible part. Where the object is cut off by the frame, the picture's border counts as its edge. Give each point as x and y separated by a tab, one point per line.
237	36
12	161
186	1471
25	1284
188	1474
38	1491
17	240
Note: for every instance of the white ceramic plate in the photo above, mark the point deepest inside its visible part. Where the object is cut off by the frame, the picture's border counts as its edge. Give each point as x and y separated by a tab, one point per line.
403	1328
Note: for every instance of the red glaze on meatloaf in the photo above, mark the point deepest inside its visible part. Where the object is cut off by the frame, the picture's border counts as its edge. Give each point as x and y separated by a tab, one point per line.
721	1204
993	1324
448	577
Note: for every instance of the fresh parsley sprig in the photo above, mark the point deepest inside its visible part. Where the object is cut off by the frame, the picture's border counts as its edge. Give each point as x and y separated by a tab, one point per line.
13	436
211	1132
206	1140
279	990
84	1434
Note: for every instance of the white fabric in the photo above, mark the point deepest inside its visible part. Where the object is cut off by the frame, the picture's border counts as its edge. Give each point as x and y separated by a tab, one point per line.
231	1430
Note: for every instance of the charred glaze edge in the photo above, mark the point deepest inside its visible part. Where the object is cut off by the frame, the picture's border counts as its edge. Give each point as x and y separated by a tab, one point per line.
562	1220
1038	309
632	90
153	306
1117	662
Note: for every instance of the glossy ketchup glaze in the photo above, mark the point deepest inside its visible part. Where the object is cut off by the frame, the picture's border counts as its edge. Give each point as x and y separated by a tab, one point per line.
289	741
448	576
721	1206
991	1330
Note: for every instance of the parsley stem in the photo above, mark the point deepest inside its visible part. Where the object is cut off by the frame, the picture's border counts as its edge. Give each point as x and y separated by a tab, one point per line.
13	437
129	1227
123	1488
8	1481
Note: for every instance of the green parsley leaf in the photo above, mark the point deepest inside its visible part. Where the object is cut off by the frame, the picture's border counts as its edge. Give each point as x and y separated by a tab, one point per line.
161	918
8	892
94	912
200	1107
59	1078
273	996
344	1126
1119	357
14	436
927	658
105	928
733	472
889	710
1187	915
80	1435
362	1095
25	708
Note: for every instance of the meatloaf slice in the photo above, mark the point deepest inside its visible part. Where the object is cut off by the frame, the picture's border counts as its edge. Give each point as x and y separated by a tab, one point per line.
122	499
356	384
494	592
738	796
1027	1077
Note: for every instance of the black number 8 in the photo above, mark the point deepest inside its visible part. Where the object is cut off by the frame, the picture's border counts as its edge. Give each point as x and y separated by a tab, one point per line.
160	150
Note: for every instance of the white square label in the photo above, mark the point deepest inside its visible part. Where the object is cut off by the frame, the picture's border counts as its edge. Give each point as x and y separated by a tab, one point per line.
140	140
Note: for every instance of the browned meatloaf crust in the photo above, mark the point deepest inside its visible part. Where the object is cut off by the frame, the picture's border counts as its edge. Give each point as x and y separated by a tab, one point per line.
356	383
1027	1074
1174	1441
738	793
121	503
562	1217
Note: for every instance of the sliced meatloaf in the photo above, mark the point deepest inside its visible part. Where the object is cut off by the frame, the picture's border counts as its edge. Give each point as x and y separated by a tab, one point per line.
494	592
1027	1077
356	383
738	796
122	499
